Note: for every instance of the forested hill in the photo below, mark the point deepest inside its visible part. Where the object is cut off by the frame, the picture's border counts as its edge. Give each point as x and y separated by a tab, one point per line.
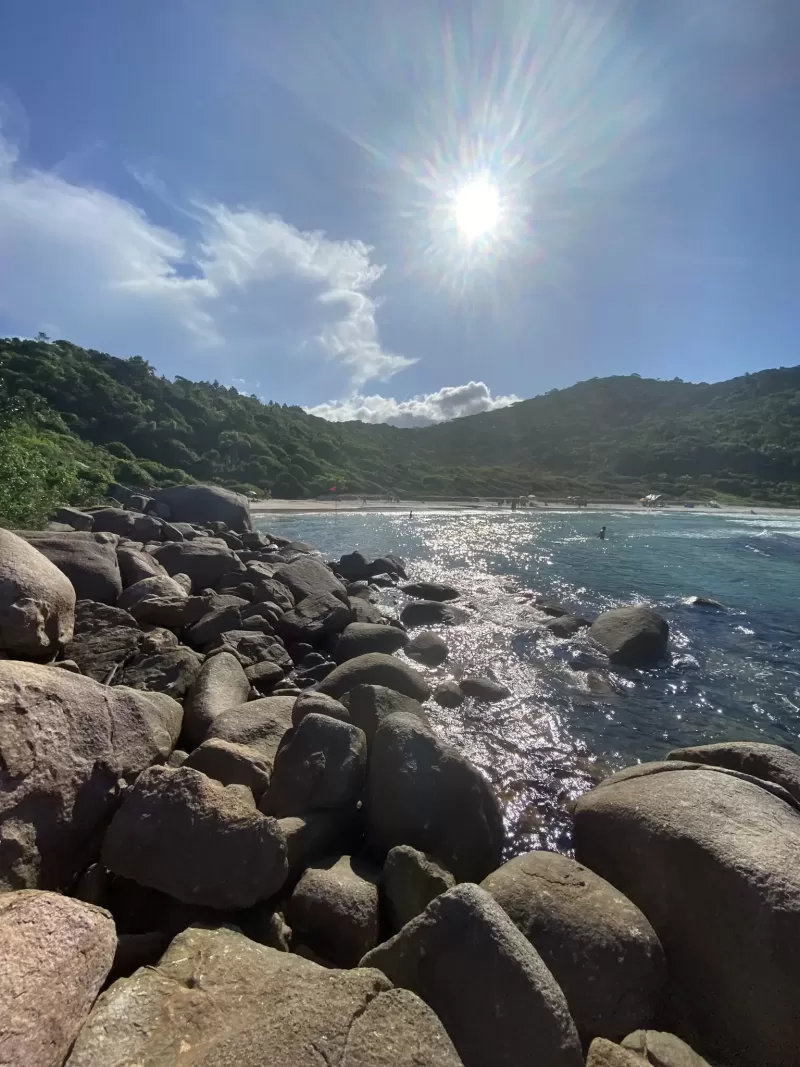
106	417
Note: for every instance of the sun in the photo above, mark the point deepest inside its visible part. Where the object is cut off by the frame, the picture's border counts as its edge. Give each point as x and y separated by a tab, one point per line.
477	208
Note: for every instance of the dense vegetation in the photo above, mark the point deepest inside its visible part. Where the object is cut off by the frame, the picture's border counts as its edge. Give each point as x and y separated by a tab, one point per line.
72	419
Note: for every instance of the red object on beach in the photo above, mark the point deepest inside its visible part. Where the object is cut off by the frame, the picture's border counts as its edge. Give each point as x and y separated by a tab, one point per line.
333	488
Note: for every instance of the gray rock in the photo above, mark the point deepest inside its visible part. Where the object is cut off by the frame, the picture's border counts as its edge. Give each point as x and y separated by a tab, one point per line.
427	613
317	703
423	792
498	1002
91	616
220	684
204	560
375	669
37	601
565	626
702	602
320	765
600	948
65	743
174	612
136	564
232	765
55	955
353	566
78	520
171	671
216	998
431	591
711	860
315	617
182	833
410	881
88	560
218	620
317	834
252	646
160	585
260	724
449	694
484	689
632	637
662	1050
365	612
147	528
769	762
101	653
205	503
264	676
360	638
603	1053
307	576
112	520
334	909
368	705
428	648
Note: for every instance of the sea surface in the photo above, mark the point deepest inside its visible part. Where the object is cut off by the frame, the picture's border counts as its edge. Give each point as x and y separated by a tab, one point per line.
734	674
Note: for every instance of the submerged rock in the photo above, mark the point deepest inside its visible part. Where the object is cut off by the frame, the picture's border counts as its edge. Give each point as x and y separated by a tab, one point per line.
428	648
632	636
484	689
431	591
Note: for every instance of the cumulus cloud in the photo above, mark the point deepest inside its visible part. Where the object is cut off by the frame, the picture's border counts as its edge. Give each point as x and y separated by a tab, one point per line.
83	264
450	402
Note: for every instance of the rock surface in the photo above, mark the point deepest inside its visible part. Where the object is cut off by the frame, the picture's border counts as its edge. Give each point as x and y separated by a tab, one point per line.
428	648
486	690
55	954
220	684
599	947
317	703
632	636
231	764
308	576
498	1002
769	762
375	669
604	1053
449	695
368	705
315	617
410	881
37	601
203	560
182	833
89	561
427	613
360	638
259	724
662	1050
205	503
169	670
431	591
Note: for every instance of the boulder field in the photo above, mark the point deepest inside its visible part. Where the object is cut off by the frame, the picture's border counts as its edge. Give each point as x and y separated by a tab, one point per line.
231	834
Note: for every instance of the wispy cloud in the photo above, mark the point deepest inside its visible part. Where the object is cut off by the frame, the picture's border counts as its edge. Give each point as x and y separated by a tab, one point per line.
81	263
451	402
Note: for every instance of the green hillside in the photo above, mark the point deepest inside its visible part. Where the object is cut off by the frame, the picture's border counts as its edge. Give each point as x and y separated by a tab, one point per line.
81	417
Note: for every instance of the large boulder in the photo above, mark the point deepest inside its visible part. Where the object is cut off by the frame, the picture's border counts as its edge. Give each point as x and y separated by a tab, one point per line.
711	860
423	792
205	503
427	613
375	669
662	1050
74	517
231	764
185	834
216	999
136	564
368	705
318	834
334	910
605	1053
37	601
65	742
306	576
315	617
89	561
93	617
632	636
55	954
312	702
363	611
156	586
360	638
321	764
260	724
220	684
600	948
768	762
218	620
204	560
100	653
410	881
499	1003
431	591
428	648
113	520
169	670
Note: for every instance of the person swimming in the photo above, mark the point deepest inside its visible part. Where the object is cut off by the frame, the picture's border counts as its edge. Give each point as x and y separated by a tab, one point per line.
602	534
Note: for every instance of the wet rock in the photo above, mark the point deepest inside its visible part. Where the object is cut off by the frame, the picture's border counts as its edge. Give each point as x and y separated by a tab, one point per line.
260	724
308	576
159	586
55	955
182	833
484	689
632	637
217	998
353	566
317	834
101	653
662	1050
171	671
449	695
600	948
365	612
360	638
427	613
603	1053
136	565
320	765
220	684
428	648
375	669
204	560
368	705
711	860
205	503
702	602
334	909
89	561
232	764
37	601
565	626
423	792
431	591
65	743
319	704
768	762
495	997
410	881
315	617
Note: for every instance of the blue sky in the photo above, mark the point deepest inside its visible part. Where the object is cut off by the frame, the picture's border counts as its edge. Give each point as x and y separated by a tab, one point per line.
262	192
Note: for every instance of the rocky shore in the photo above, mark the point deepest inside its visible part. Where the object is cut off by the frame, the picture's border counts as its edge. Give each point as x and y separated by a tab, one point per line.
230	835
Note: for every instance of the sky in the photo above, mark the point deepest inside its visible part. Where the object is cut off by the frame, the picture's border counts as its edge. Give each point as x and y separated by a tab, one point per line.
282	196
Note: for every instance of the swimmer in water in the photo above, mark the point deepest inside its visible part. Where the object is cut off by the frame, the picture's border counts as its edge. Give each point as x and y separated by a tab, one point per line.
411	514
602	534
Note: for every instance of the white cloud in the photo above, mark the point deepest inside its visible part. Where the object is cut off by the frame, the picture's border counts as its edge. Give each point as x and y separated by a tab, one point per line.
450	402
83	264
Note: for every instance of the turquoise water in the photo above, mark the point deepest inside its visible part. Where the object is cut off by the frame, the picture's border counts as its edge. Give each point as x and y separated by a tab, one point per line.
735	674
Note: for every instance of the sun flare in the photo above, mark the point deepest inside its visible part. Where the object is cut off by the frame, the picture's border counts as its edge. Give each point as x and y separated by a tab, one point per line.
477	208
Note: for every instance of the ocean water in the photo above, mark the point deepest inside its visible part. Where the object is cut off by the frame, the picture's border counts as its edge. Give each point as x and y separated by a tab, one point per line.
734	674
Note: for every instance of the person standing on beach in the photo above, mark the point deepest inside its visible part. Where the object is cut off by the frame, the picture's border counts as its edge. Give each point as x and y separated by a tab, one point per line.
602	534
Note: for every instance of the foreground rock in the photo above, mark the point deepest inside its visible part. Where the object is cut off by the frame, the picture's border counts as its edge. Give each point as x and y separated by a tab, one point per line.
662	1050
375	669
631	637
768	762
423	792
182	833
37	601
600	948
88	560
711	860
498	1002
361	638
220	684
410	881
605	1053
205	503
55	954
65	742
368	705
260	724
217	998
334	910
231	764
